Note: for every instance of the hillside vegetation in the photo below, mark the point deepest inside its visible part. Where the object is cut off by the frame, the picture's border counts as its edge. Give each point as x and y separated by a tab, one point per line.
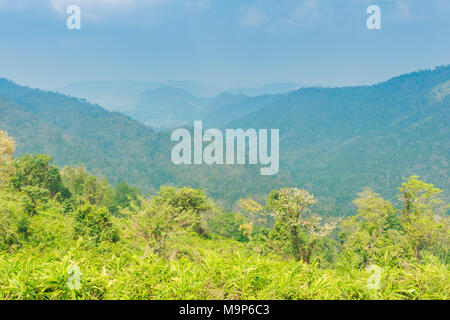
333	141
67	234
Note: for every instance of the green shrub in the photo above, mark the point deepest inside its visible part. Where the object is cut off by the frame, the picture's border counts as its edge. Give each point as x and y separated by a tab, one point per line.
14	223
95	224
37	171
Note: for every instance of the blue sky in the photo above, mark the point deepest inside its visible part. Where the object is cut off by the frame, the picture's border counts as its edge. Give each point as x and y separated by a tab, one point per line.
221	42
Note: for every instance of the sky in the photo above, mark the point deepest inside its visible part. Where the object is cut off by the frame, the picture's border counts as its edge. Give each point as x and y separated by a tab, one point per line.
223	43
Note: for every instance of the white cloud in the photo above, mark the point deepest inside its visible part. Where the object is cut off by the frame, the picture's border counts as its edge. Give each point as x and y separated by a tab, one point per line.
197	4
98	10
91	9
61	5
309	13
252	17
14	4
403	11
306	8
305	14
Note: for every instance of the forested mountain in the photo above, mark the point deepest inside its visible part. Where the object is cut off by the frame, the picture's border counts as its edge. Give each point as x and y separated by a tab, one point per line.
273	88
65	234
168	107
76	132
338	139
123	95
334	141
120	96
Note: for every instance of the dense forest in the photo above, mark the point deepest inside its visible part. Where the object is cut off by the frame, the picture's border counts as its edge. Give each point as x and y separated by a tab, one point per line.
68	234
333	141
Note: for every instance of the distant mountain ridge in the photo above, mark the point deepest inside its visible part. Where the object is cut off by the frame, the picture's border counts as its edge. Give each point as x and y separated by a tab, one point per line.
167	104
333	141
273	88
369	135
168	107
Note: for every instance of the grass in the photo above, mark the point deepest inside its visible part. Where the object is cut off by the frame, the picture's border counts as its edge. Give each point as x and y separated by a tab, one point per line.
211	269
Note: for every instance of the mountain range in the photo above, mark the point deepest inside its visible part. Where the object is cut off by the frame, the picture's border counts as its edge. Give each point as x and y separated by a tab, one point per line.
333	141
168	104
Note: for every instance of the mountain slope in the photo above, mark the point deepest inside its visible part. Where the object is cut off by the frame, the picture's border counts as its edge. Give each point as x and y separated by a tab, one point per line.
168	107
74	131
273	88
111	144
341	139
334	141
171	103
120	96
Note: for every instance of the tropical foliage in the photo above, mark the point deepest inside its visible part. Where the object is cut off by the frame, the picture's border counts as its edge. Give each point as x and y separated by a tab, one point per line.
66	234
333	141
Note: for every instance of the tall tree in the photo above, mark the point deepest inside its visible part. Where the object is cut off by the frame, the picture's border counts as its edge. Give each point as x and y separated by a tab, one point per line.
7	149
38	171
375	228
289	207
423	216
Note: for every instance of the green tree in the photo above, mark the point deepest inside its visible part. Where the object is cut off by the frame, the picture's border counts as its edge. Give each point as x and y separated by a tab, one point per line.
289	206
86	188
95	224
122	197
228	225
159	225
38	171
33	198
255	214
185	200
423	217
7	149
14	224
373	230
